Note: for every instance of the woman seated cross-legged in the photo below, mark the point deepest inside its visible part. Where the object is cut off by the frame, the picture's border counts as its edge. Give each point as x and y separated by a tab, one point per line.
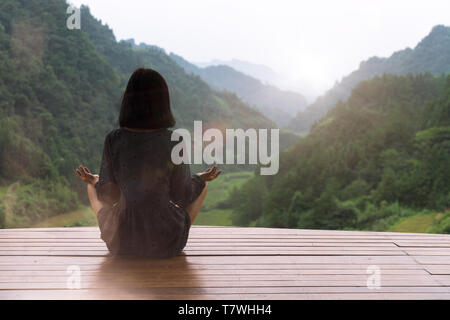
145	204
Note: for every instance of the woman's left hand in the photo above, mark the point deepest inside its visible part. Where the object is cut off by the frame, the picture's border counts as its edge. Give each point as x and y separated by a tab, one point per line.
84	174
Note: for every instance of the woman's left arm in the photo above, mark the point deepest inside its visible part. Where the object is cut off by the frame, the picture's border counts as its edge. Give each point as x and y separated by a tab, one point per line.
107	188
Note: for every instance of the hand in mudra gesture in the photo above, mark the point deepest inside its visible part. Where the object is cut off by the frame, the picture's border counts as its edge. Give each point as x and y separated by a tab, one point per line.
210	174
84	174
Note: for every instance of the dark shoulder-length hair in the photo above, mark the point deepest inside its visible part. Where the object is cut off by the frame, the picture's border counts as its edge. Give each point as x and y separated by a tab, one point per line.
146	102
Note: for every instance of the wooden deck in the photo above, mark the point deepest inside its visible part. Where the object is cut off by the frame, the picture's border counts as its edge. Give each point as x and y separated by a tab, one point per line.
227	263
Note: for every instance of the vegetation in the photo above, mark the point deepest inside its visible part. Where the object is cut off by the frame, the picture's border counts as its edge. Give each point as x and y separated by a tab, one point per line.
215	211
51	81
369	164
59	95
83	217
431	55
417	223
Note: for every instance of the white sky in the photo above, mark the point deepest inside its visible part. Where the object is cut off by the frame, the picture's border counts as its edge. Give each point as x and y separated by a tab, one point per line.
318	41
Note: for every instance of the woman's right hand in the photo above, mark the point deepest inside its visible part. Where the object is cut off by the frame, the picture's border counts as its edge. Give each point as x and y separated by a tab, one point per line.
210	174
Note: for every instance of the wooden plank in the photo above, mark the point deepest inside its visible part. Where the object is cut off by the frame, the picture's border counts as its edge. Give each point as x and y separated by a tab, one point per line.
190	252
246	229
442	279
50	245
425	244
206	247
88	294
309	296
437	269
224	241
221	244
217	235
433	259
50	235
214	260
92	253
237	254
229	230
249	232
189	277
240	290
428	251
193	254
68	229
215	283
59	240
188	272
194	267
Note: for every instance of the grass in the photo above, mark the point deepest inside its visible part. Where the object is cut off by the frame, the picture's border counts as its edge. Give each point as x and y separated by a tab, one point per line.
218	191
3	191
419	223
215	217
82	217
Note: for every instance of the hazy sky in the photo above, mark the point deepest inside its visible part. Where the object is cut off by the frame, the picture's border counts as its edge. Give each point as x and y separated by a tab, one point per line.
315	42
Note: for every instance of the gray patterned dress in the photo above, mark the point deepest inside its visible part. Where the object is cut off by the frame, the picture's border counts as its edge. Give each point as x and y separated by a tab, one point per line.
144	194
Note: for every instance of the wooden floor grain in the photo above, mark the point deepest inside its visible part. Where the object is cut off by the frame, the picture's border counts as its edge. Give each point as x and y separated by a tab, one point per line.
227	263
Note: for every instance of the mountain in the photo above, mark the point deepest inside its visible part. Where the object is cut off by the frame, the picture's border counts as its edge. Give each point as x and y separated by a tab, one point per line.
278	105
60	91
374	160
268	76
258	71
432	55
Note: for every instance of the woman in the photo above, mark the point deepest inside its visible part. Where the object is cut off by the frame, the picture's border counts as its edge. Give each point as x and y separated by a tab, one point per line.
144	203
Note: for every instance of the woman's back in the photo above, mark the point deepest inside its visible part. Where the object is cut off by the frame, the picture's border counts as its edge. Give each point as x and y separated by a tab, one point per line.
146	194
141	164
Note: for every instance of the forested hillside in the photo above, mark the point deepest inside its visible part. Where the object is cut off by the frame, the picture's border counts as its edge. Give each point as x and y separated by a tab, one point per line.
279	105
380	157
431	55
59	95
